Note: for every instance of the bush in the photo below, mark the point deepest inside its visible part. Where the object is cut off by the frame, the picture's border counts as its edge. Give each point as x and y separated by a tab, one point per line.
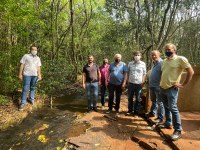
3	100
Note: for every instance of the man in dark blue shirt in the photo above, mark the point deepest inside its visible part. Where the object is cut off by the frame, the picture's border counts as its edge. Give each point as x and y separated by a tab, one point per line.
157	107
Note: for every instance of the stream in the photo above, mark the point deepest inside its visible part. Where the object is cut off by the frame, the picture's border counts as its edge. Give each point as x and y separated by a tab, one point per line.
47	129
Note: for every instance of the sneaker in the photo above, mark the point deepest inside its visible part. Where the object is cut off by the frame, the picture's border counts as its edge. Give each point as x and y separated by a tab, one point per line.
117	112
149	115
136	114
176	135
21	107
32	103
108	111
95	109
157	120
164	126
129	113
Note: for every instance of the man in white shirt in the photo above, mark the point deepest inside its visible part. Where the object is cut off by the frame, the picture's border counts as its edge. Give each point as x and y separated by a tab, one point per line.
136	78
29	73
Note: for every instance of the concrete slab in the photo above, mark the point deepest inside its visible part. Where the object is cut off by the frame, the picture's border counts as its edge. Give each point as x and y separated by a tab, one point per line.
191	131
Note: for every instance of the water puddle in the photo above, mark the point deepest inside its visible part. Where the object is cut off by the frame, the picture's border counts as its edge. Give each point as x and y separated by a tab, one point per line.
47	128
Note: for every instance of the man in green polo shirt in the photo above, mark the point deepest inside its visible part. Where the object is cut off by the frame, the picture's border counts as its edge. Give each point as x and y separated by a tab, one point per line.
172	68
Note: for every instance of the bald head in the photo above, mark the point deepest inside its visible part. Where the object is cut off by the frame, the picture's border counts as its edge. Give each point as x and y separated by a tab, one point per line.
155	55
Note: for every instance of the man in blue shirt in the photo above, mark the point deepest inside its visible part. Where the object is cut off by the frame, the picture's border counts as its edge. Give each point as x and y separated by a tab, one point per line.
157	107
117	73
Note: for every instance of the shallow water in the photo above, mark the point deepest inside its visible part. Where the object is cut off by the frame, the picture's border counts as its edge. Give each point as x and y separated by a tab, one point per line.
47	129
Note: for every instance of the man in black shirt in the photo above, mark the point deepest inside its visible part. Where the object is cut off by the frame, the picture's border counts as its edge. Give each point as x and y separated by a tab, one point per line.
91	78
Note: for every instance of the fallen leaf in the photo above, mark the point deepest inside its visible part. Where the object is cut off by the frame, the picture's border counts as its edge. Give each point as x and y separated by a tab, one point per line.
60	141
18	144
29	132
42	138
58	148
43	127
97	144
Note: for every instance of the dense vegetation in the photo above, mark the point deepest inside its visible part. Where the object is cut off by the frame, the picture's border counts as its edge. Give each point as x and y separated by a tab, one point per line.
66	31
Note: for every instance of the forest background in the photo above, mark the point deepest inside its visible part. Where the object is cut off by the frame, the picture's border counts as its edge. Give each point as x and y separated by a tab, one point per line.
67	31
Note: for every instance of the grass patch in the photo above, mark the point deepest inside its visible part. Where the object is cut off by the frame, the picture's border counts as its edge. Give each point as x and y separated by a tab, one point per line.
3	100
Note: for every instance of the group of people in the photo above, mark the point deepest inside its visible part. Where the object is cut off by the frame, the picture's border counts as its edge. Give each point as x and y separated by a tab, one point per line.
114	76
163	79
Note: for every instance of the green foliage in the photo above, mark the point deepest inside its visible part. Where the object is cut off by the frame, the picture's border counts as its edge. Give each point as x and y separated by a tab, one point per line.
3	100
66	35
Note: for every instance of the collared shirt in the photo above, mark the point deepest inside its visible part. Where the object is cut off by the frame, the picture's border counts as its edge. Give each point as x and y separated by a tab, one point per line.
31	63
117	73
172	70
155	76
91	72
103	70
136	71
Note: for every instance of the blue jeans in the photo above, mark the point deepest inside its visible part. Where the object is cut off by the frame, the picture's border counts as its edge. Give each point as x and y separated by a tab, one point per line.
157	107
92	94
29	82
169	97
134	89
117	90
103	91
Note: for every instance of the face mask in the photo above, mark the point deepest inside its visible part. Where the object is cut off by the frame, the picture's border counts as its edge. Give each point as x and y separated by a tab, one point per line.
137	58
34	53
168	54
105	62
117	60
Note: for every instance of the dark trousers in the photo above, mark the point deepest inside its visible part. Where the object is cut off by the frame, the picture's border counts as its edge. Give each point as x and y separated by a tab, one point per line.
103	91
117	90
134	89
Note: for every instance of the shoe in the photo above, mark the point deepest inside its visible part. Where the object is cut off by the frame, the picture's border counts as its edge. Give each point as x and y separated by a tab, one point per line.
95	109
32	103
164	126
136	114
149	115
176	135
21	107
129	113
117	112
89	110
157	120
108	111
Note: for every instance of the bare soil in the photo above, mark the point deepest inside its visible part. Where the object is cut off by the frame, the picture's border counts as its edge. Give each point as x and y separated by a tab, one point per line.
114	131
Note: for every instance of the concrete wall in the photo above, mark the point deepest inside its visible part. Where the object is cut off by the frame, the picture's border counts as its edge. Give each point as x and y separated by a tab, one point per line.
189	96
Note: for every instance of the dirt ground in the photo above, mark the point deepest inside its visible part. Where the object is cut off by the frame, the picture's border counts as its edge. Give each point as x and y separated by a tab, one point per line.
121	132
9	114
116	131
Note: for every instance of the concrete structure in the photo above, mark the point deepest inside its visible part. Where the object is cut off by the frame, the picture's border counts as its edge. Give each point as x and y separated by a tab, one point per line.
189	96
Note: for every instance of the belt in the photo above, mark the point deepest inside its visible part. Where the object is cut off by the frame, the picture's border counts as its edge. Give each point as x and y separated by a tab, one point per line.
93	81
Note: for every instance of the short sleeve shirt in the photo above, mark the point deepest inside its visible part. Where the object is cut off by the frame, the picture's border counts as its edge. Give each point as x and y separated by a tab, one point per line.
31	63
155	76
91	72
172	70
136	71
103	70
117	73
